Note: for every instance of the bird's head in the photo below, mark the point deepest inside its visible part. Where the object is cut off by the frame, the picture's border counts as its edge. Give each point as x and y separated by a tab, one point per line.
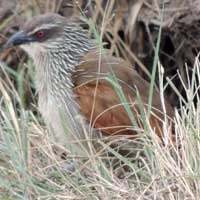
47	33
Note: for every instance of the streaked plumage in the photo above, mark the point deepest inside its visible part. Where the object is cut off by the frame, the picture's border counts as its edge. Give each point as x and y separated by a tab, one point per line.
68	65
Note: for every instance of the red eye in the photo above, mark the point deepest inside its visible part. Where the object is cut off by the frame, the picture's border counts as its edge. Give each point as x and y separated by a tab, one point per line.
40	34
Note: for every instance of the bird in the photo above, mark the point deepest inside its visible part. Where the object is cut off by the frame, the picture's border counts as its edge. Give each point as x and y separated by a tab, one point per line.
76	80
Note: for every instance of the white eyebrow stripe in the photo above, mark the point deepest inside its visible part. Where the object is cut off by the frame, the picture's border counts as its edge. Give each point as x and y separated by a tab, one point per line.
44	26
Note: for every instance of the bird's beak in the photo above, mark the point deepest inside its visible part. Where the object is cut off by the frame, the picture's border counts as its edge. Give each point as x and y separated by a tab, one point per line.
17	39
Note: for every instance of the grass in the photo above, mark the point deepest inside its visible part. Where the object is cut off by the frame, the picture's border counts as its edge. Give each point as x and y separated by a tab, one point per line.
29	168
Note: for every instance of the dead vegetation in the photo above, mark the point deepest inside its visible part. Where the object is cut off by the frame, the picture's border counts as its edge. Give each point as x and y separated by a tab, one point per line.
29	169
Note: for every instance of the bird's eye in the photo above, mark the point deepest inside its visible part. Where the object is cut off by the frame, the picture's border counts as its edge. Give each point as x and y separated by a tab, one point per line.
40	34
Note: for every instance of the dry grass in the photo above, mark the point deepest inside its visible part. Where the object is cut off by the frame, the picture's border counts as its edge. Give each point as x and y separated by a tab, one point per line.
29	168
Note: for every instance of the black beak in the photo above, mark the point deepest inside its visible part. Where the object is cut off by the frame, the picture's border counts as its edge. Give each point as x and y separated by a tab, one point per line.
17	39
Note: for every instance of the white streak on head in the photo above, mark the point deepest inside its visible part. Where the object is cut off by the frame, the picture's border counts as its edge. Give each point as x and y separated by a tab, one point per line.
42	27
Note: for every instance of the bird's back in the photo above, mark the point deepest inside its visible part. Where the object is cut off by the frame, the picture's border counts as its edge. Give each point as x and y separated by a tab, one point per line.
99	101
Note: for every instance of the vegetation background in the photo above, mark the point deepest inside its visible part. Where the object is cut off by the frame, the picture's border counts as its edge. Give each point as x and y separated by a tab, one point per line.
29	169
